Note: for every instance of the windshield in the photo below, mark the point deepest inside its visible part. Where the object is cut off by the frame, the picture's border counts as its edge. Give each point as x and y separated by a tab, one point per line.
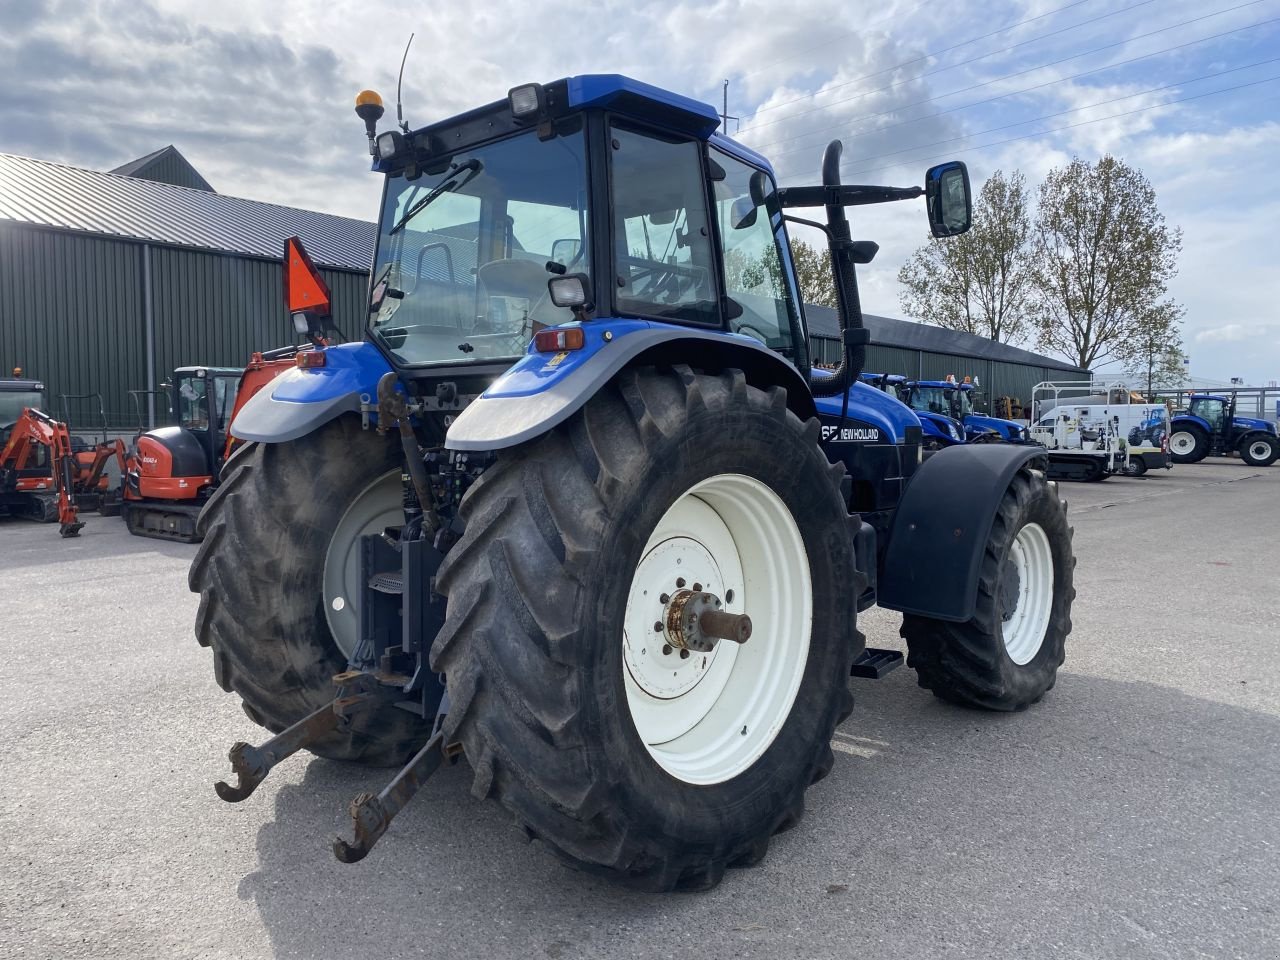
193	411
931	400
461	268
964	405
13	403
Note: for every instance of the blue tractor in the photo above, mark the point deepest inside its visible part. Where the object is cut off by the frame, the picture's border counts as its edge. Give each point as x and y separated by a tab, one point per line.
1210	428
939	431
580	509
946	398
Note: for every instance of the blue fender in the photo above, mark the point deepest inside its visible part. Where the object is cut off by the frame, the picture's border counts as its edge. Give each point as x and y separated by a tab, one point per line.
302	400
543	390
941	527
1184	420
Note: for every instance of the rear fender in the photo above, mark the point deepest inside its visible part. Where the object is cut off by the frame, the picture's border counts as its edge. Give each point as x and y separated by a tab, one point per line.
301	400
1185	420
941	527
543	390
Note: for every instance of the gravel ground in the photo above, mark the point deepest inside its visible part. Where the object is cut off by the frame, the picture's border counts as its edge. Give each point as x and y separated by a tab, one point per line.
1130	814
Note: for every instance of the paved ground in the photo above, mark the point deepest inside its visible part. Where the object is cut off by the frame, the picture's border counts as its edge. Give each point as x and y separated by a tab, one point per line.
1131	814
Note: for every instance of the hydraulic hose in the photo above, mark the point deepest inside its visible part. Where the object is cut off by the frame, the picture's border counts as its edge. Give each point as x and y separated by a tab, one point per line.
853	335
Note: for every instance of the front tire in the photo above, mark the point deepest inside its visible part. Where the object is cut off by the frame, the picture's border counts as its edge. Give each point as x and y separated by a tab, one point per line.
1007	656
552	646
1259	450
260	573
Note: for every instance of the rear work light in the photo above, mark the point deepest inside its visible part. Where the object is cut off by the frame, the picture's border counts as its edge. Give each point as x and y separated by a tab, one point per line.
307	359
556	340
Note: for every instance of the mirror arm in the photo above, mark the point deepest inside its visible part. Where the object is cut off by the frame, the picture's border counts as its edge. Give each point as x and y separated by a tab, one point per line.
844	195
808	223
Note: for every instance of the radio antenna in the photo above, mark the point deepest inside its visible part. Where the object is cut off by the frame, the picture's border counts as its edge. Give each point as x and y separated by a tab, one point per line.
400	80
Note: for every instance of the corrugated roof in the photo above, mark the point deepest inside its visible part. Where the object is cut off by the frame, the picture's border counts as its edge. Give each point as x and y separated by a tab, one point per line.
70	198
890	332
166	165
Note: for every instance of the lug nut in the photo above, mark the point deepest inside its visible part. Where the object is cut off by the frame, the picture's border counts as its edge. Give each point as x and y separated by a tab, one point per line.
684	654
666	649
679	581
657	626
665	598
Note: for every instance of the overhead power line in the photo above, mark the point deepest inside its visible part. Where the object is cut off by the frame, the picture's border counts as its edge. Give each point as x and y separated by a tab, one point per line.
1072	126
925	56
977	103
1005	77
929	73
1063	113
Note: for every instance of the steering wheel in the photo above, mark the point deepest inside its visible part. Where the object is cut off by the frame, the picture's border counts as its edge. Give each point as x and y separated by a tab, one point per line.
754	332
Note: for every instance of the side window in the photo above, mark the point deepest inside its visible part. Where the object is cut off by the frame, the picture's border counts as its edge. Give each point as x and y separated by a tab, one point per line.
754	272
662	242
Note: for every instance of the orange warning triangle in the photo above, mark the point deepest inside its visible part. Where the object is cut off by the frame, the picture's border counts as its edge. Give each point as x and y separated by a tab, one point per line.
304	288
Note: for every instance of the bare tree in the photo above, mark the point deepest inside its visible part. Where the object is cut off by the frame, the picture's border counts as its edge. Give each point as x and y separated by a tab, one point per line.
1152	354
982	282
1104	257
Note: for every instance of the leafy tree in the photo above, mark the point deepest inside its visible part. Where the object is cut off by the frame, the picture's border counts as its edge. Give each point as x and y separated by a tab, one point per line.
1104	258
983	281
1152	355
813	270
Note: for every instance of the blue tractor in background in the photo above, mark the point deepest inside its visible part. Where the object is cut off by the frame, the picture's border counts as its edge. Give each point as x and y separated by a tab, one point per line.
947	398
1210	428
580	508
939	431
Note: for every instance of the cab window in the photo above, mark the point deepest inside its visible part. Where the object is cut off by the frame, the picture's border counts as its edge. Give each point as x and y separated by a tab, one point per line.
1209	410
662	241
755	275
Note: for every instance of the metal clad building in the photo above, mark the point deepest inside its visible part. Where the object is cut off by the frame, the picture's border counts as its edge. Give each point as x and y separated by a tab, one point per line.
925	352
107	282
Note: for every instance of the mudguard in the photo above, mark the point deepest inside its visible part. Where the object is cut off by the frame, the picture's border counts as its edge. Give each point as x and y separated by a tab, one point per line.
1184	420
300	401
941	527
543	390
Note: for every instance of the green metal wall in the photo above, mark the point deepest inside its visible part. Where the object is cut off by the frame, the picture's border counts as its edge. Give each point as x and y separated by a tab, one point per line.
996	378
73	308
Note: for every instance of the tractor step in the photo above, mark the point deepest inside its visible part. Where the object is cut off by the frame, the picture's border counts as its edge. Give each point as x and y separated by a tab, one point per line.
875	663
389	583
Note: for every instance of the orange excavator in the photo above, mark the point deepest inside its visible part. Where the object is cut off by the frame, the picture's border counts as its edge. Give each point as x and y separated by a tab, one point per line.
171	471
37	470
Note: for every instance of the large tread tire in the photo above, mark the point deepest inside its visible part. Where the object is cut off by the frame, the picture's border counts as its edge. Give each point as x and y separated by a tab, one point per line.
1198	452
1246	454
967	663
531	647
259	571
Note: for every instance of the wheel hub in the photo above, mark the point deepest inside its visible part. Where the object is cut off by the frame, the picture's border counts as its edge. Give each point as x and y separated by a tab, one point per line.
661	660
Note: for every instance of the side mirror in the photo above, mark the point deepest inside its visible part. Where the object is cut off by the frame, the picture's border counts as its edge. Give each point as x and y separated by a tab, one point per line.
743	213
950	203
566	251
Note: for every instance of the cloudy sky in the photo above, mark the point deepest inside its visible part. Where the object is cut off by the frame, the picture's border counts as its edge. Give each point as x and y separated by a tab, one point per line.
258	97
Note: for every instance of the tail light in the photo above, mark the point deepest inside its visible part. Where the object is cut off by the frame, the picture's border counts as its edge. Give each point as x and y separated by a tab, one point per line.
308	359
557	339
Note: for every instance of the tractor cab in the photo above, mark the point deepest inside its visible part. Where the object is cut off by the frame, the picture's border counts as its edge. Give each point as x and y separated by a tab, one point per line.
938	430
202	400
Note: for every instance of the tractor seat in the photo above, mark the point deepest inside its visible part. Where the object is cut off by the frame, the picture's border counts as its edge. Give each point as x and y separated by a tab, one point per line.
510	291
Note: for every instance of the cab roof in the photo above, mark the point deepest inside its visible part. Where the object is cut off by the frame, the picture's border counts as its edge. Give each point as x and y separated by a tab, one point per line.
21	386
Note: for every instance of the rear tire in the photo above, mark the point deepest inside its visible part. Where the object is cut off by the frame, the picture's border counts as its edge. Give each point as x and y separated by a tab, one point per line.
1259	450
259	573
1007	656
1188	444
543	651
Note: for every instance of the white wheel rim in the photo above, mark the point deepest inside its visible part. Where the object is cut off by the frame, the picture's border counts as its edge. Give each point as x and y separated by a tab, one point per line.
1259	450
708	717
376	506
1031	559
1182	442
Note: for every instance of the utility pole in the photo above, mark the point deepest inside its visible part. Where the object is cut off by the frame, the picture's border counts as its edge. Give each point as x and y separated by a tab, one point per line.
724	113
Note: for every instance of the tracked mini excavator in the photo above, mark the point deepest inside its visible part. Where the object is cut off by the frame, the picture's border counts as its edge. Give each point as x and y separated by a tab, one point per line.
171	471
